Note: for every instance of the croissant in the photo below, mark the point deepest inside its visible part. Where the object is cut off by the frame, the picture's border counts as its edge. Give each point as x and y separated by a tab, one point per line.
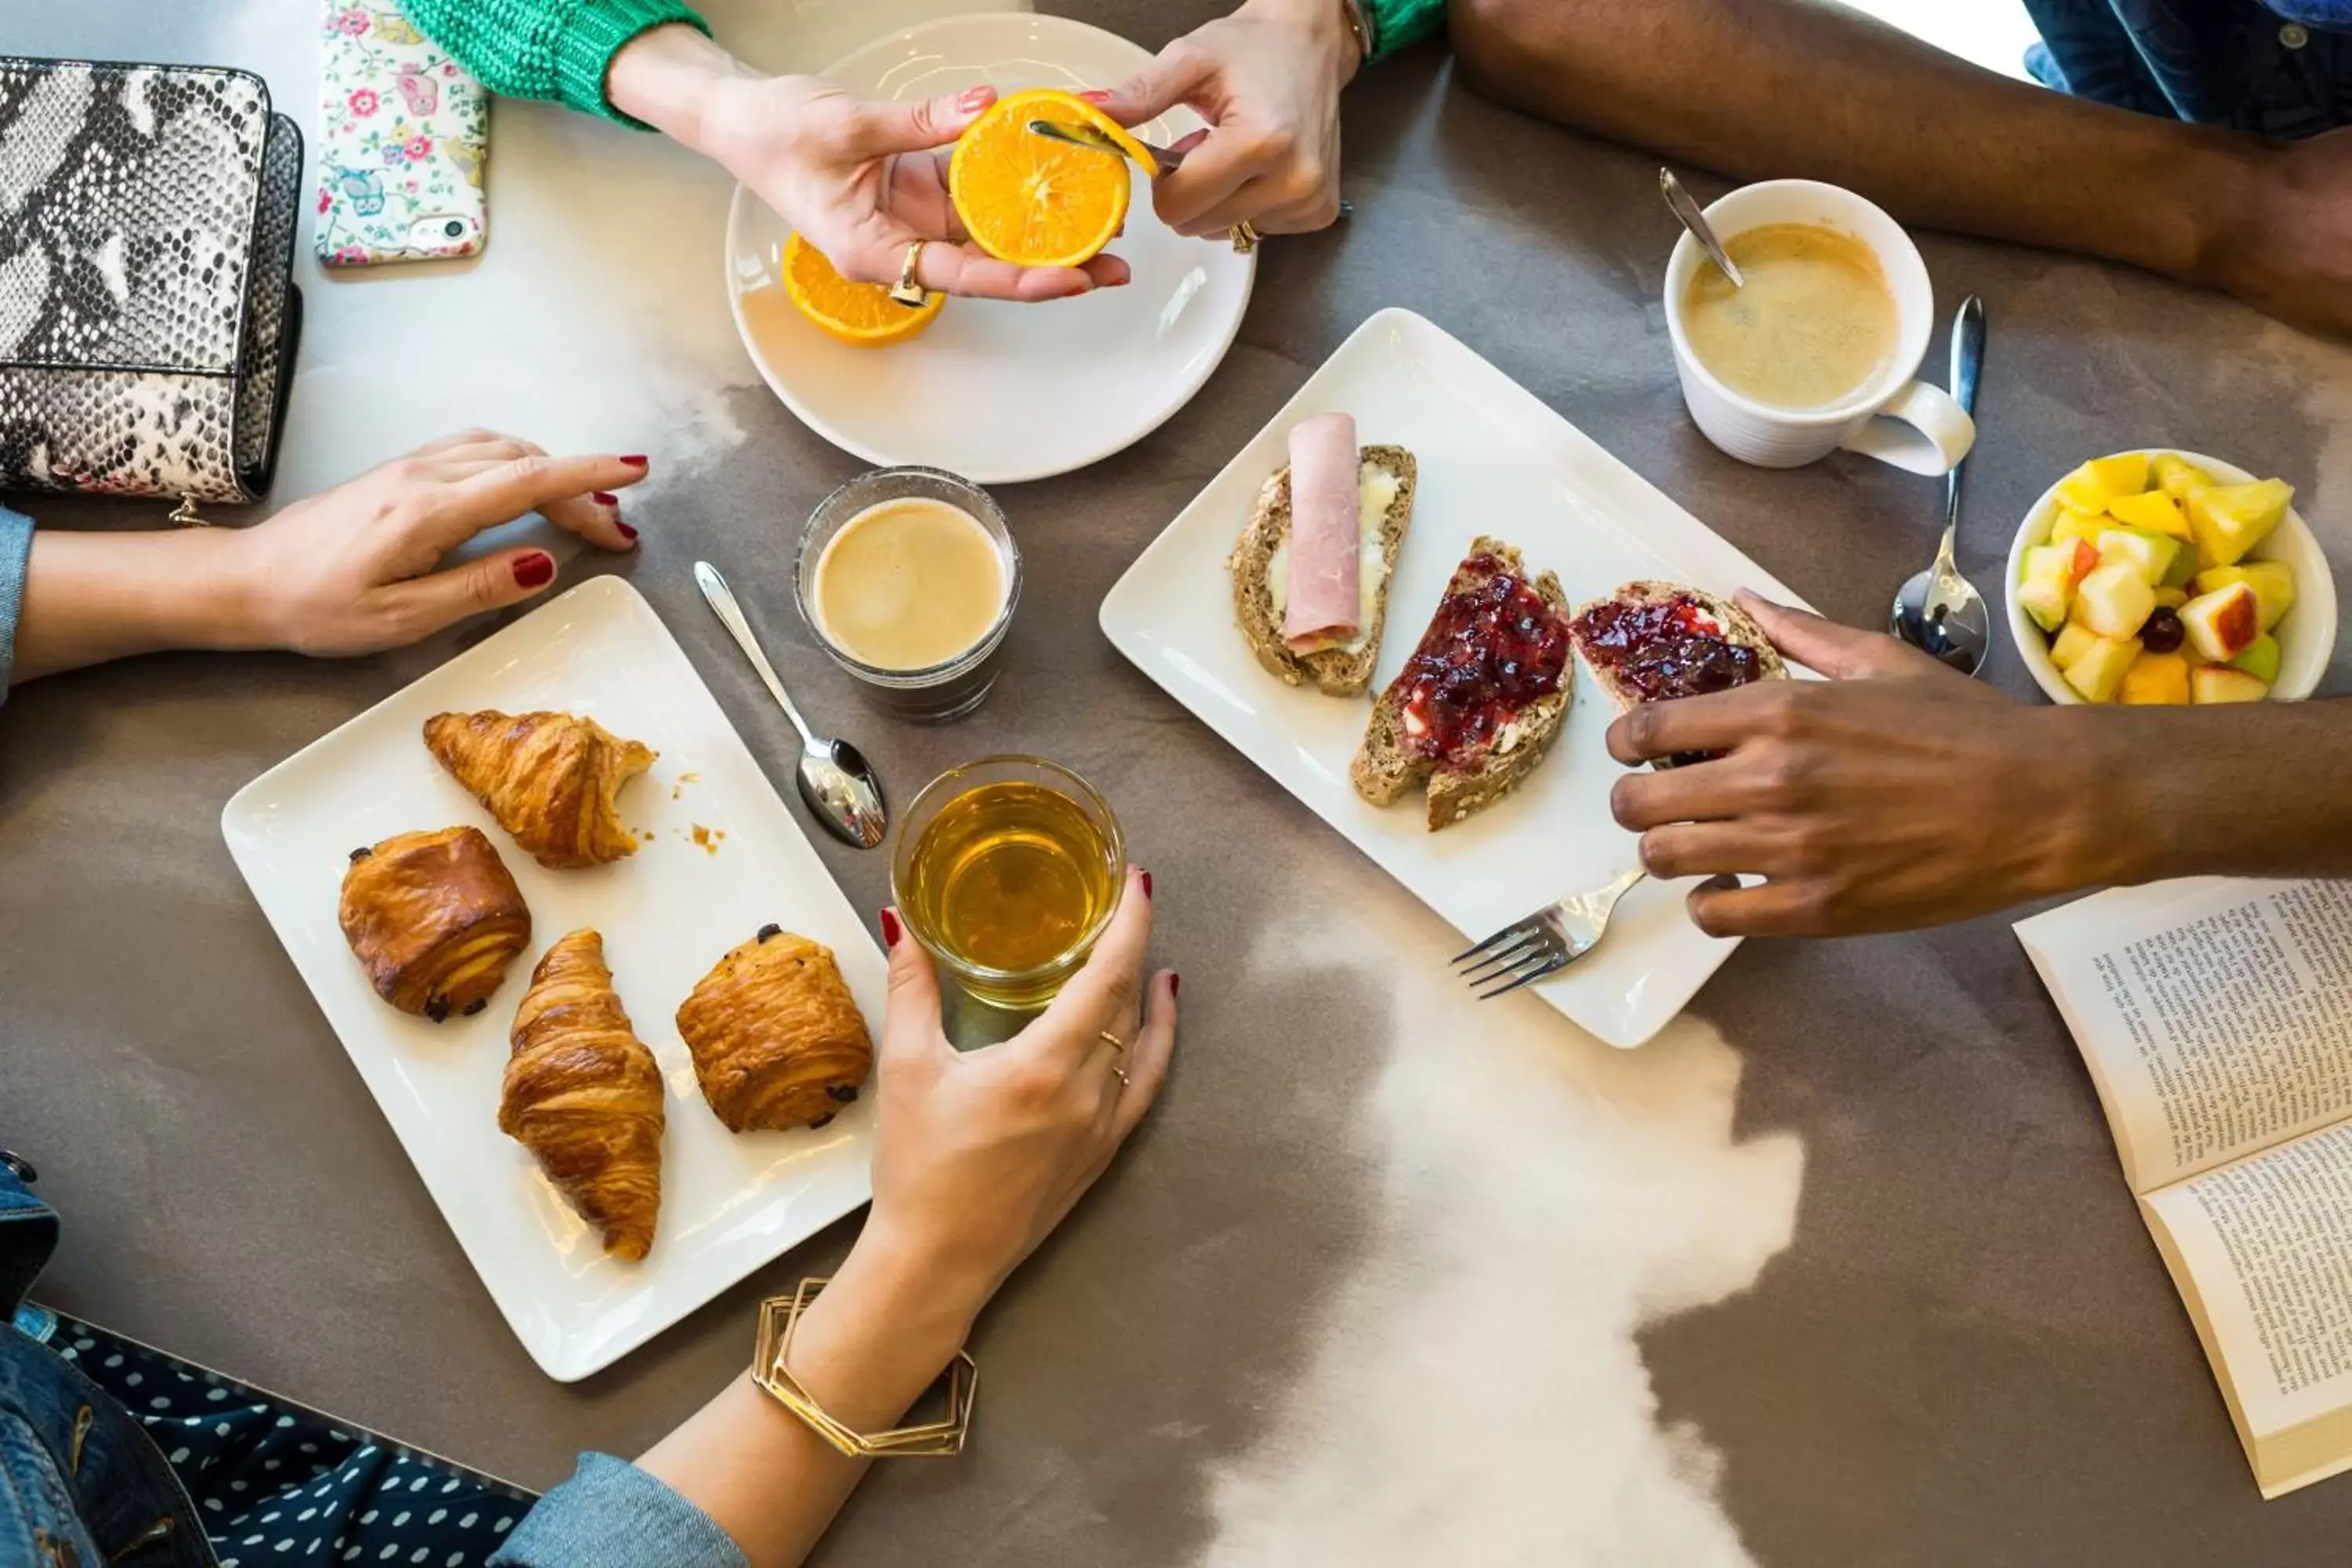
584	1096
776	1037
435	918
548	778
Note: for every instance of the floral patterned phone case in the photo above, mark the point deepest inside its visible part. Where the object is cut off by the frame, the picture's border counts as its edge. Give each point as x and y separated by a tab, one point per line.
403	131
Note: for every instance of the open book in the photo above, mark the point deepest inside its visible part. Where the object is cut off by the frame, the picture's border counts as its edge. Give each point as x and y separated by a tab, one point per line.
2216	1018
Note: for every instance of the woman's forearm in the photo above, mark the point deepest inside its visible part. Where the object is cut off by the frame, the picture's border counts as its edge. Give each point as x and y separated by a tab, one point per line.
866	1349
90	597
666	77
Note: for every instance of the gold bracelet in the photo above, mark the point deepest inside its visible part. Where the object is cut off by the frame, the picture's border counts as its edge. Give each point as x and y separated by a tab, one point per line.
780	1315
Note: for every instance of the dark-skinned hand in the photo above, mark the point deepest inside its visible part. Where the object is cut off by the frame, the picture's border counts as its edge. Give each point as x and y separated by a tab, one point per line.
1894	795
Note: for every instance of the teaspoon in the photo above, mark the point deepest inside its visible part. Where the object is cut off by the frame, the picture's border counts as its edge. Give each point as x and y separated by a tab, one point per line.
1938	610
836	781
1678	201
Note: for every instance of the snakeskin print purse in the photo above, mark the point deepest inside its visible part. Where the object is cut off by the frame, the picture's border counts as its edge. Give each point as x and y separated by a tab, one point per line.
148	313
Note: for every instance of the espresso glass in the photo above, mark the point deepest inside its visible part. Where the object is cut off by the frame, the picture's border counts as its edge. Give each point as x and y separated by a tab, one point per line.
941	691
1014	990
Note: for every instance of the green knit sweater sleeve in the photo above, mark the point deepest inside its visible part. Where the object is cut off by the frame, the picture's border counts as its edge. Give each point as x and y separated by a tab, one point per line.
554	49
1399	24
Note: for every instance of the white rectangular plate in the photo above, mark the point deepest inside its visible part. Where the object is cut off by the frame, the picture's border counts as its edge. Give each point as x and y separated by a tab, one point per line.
730	1203
1493	461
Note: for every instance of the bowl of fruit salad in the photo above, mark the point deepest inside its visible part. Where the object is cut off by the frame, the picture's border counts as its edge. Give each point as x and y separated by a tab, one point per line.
2163	577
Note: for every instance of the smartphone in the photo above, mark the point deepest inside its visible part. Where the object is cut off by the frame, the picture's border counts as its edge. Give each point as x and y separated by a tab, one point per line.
403	137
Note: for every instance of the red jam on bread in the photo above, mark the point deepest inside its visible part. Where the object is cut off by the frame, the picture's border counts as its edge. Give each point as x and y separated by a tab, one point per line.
1489	652
1656	652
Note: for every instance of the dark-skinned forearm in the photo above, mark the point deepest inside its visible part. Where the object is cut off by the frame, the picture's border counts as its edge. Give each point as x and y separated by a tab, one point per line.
2264	789
1762	88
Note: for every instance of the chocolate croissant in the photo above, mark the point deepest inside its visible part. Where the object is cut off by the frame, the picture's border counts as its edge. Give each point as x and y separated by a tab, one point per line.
584	1096
435	918
548	778
776	1037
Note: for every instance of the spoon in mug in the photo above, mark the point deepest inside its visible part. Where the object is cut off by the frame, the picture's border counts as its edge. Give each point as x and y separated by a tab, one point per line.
836	781
1678	201
1939	611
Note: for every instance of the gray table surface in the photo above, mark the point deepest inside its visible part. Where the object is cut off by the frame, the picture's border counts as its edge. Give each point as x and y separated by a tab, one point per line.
1958	1347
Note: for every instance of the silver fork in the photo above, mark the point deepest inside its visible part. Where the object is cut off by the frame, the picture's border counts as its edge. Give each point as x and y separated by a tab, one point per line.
1545	942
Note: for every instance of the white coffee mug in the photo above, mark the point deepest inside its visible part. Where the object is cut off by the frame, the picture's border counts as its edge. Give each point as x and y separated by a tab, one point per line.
1894	418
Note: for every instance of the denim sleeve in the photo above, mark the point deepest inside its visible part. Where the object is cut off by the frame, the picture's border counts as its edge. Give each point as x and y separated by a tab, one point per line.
611	1514
15	550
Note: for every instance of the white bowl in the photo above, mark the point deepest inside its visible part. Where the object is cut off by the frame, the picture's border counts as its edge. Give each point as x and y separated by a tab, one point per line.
2306	635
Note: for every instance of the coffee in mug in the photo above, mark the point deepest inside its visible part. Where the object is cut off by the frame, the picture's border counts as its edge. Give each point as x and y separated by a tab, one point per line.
1814	324
1818	352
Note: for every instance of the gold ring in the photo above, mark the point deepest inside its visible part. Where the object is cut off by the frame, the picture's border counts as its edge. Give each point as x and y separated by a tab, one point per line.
1244	238
907	292
1113	1041
1121	1072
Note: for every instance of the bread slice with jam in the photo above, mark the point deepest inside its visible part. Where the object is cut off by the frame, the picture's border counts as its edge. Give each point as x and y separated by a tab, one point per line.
1388	477
1656	642
1476	708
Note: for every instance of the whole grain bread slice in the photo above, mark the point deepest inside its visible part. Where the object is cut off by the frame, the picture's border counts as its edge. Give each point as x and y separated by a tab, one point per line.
1385	768
1340	672
1738	627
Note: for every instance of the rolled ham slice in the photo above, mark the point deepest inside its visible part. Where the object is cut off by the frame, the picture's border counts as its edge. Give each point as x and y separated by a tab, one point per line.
1324	600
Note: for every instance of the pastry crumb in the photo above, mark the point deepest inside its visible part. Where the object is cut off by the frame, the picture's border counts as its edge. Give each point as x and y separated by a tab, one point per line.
677	790
707	837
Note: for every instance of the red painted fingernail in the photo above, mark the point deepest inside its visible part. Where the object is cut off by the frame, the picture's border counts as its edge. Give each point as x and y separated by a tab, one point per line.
1147	884
891	932
535	569
1174	980
973	98
604	498
1096	95
626	532
634	460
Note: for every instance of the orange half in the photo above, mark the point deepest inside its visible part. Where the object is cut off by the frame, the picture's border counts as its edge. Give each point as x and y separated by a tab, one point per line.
862	314
1034	201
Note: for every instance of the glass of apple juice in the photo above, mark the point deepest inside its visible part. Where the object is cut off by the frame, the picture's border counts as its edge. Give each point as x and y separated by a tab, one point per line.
1006	871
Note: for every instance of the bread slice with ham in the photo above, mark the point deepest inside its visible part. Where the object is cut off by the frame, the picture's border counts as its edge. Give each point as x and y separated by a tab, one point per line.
1312	568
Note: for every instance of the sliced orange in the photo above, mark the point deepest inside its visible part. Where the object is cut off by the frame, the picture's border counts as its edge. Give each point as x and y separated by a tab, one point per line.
861	314
1035	200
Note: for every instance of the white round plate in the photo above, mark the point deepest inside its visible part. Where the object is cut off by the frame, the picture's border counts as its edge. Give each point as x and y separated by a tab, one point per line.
1002	393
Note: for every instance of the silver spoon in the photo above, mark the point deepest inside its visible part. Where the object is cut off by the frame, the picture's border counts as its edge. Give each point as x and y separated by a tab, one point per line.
1678	201
1078	135
1940	610
836	779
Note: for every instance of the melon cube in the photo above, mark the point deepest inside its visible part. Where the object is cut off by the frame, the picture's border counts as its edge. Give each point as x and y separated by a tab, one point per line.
2156	680
2230	519
2178	478
2155	512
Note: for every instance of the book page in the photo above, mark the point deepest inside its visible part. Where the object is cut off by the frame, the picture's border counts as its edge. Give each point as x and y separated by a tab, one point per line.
2266	1244
2216	1015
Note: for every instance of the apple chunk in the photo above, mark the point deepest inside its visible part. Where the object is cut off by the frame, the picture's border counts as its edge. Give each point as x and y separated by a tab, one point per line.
2260	659
2220	683
2222	624
2046	591
2153	554
2115	600
2272	580
2099	673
